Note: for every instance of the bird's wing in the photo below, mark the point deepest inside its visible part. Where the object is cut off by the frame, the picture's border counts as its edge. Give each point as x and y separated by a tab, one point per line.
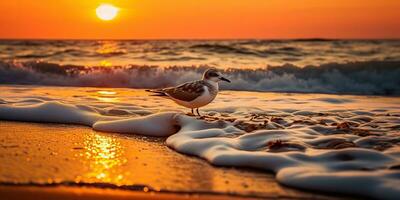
186	92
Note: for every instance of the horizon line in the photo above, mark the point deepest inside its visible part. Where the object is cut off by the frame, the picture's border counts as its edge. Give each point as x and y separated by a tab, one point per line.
188	39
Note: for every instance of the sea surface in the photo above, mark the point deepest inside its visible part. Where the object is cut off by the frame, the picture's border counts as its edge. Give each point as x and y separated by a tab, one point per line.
368	67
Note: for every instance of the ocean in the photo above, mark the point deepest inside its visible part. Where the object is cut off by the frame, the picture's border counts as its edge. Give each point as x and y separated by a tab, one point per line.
364	67
320	115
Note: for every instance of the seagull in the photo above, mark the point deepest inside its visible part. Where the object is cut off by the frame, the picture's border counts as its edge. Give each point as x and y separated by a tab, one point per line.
194	94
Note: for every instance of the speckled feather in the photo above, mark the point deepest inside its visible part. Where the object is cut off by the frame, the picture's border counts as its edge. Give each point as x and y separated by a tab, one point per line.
189	91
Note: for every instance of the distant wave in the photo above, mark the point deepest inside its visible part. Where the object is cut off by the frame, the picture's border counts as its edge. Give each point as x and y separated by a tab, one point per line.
369	78
219	48
232	49
240	50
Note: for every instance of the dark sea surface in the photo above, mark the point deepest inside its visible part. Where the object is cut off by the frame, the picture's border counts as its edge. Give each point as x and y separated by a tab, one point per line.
370	67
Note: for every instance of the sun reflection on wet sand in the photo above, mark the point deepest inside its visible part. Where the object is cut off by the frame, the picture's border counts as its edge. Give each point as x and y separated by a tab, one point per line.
105	156
107	96
106	92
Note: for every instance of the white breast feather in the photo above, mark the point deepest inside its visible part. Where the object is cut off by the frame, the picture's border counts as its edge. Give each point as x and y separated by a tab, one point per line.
200	101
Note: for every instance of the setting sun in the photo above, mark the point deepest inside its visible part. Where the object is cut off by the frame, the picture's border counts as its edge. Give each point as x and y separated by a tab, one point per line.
106	12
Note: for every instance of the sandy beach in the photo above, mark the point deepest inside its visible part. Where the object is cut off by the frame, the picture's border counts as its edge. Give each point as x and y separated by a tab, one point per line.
131	141
72	161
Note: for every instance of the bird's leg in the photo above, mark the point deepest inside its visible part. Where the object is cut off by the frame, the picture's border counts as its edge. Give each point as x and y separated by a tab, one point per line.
197	110
193	112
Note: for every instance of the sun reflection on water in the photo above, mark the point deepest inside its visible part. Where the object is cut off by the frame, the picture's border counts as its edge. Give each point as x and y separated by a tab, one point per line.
109	48
105	63
104	156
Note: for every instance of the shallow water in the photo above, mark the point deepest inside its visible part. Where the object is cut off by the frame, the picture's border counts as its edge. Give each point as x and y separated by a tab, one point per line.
333	143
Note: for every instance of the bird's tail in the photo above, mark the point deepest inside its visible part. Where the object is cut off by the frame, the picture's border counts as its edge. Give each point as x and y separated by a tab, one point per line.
157	92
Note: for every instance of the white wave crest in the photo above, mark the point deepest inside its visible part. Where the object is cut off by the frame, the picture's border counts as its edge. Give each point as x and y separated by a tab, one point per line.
373	77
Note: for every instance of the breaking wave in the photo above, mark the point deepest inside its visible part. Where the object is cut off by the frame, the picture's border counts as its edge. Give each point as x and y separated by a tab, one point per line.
368	78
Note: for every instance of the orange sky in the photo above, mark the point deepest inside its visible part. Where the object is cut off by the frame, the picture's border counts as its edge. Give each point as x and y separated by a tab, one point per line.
201	19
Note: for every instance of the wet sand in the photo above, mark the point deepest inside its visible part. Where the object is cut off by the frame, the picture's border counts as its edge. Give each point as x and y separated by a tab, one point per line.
89	164
67	193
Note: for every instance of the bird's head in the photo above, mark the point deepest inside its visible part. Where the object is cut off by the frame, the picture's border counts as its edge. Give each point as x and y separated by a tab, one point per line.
214	75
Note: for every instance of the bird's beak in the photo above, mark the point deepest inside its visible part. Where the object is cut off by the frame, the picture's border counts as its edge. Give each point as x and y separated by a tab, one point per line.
224	79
